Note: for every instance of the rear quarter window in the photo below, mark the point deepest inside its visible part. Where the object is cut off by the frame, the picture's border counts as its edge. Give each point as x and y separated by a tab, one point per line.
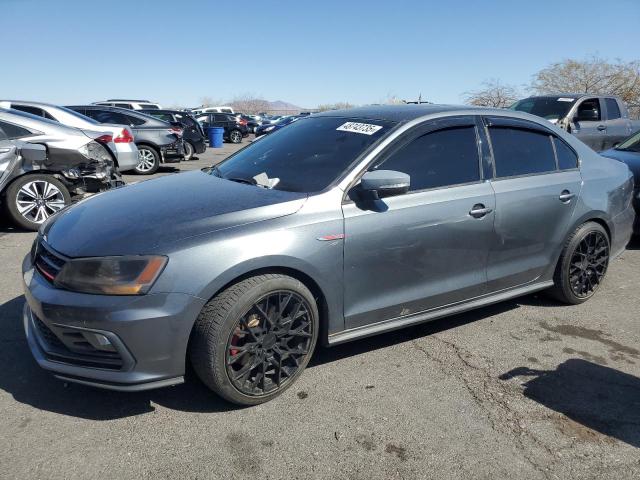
567	158
613	110
14	131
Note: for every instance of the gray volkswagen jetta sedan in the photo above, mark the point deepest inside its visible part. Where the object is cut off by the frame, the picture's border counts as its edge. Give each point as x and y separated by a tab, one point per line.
339	226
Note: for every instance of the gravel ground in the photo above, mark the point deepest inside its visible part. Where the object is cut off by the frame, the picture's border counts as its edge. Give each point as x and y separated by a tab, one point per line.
526	389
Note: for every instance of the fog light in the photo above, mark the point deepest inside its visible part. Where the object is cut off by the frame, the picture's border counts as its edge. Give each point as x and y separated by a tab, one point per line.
99	341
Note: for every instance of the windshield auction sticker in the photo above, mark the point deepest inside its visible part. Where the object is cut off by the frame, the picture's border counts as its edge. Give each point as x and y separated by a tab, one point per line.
364	128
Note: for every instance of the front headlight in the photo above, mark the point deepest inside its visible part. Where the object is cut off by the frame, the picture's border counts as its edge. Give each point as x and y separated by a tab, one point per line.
128	275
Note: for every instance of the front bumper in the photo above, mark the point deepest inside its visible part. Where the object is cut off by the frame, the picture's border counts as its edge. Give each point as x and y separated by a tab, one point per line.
148	334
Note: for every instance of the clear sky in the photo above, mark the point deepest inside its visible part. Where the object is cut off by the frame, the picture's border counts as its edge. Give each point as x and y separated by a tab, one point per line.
304	52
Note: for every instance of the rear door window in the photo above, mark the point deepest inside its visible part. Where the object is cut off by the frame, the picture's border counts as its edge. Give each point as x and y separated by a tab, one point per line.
613	110
132	120
519	151
438	159
106	116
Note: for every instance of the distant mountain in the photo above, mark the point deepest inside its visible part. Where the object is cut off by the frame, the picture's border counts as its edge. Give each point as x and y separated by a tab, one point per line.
280	105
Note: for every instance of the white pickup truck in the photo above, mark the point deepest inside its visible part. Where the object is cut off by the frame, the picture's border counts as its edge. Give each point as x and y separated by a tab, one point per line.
600	121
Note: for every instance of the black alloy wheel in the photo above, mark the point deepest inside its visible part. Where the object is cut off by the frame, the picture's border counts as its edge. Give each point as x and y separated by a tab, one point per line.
269	342
589	264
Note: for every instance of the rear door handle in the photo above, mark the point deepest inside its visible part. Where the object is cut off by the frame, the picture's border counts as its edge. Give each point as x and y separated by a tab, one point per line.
602	128
5	150
566	196
479	210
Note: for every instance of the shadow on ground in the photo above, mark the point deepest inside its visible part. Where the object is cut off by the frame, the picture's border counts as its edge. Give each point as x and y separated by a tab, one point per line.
600	398
29	384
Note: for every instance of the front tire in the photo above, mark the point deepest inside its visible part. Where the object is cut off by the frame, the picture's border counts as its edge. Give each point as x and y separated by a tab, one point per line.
33	198
582	265
235	136
148	160
253	340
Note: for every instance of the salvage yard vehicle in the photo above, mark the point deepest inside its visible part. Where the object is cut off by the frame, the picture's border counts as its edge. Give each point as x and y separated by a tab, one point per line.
234	129
343	225
157	141
629	152
124	147
130	104
43	163
268	128
600	121
195	140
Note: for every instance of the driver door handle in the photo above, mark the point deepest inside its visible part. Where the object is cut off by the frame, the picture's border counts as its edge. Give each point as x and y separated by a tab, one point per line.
5	150
479	211
602	127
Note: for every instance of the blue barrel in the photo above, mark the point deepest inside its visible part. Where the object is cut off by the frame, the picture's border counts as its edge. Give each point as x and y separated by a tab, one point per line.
215	136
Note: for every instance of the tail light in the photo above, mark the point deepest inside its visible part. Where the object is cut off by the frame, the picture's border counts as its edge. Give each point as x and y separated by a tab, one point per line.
242	121
105	139
124	137
176	130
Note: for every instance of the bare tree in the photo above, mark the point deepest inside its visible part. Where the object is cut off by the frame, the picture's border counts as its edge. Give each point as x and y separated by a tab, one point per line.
335	106
492	93
249	103
209	101
592	75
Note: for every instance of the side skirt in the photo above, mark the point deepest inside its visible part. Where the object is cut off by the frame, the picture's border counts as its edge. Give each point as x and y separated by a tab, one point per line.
414	319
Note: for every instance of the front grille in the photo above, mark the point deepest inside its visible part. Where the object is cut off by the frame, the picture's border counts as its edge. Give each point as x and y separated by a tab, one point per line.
69	345
48	262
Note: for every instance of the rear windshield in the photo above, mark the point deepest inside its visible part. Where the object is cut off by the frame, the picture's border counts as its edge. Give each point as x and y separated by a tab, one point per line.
149	106
306	156
631	144
551	108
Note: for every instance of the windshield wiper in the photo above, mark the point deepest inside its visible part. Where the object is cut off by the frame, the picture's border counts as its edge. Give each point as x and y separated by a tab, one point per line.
248	181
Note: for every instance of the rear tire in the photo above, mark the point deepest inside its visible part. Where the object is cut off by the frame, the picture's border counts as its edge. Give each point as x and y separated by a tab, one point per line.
253	340
189	150
33	198
235	136
582	265
148	160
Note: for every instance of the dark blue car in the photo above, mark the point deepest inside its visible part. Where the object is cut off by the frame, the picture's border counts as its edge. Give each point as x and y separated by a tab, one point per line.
629	152
272	127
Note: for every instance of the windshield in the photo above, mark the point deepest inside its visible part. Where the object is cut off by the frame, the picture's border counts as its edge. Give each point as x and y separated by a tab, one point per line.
631	144
551	108
307	156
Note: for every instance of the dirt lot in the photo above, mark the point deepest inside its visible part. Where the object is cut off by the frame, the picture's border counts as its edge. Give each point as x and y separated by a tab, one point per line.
527	389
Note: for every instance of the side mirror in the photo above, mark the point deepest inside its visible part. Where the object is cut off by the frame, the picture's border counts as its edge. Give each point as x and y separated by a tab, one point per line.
385	183
33	152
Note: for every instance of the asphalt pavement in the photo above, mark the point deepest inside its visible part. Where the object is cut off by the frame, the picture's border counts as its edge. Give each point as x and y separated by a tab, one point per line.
525	389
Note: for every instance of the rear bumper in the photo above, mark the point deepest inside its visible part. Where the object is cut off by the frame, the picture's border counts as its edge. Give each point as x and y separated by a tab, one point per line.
200	145
173	152
148	334
127	155
623	228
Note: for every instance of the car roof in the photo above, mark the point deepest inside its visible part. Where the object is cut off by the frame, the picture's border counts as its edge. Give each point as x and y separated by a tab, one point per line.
165	110
31	104
396	113
574	95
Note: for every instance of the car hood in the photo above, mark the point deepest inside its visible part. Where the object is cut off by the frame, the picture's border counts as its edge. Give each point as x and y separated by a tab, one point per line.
143	217
632	159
